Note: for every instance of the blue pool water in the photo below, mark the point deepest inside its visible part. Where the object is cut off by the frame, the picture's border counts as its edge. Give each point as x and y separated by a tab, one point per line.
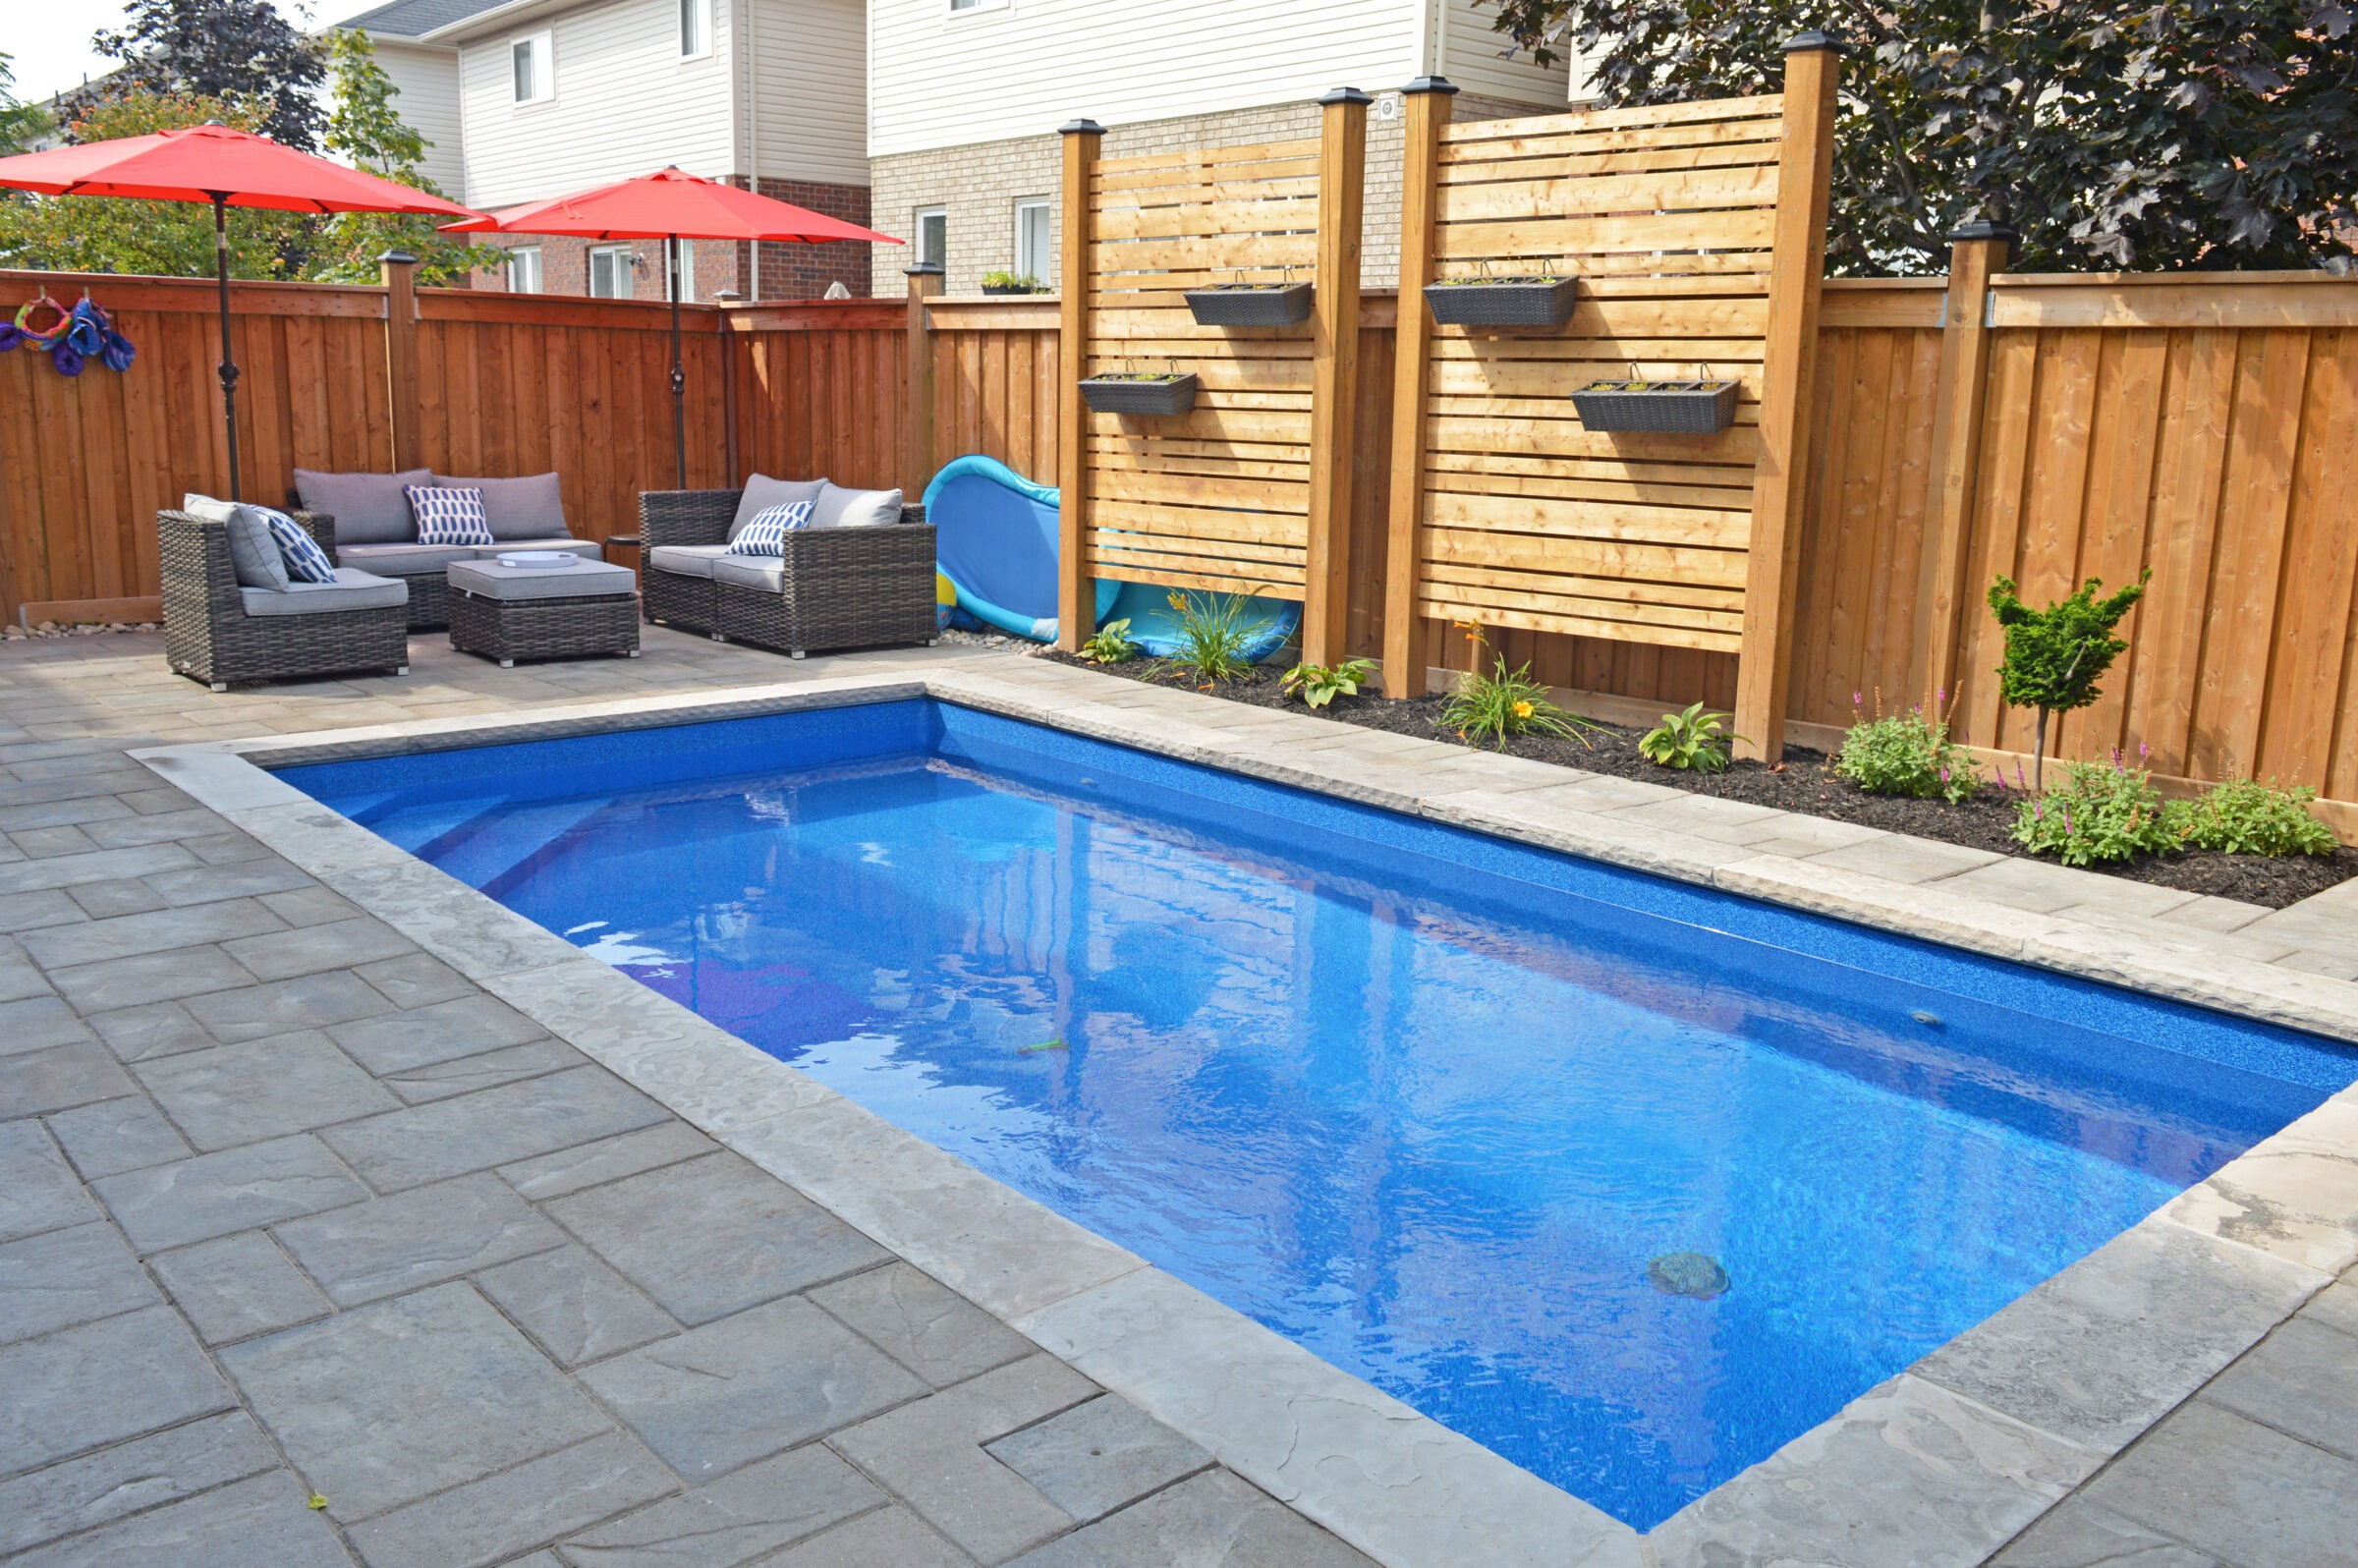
1423	1101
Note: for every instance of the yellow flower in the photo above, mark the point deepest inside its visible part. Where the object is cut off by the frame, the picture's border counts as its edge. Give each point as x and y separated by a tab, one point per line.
1522	710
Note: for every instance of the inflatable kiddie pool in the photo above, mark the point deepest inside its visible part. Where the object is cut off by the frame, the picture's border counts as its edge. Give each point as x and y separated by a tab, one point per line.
995	544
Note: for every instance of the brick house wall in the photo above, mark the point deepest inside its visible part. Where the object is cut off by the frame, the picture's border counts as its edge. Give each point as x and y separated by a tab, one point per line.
788	271
978	184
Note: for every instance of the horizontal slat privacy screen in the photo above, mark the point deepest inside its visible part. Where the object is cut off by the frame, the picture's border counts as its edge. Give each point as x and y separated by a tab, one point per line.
1667	217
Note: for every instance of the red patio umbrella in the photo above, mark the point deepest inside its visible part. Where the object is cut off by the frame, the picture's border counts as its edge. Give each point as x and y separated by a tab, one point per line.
671	205
230	169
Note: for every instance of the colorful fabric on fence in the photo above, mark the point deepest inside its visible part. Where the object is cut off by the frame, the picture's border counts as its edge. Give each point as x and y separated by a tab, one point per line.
765	533
448	516
305	561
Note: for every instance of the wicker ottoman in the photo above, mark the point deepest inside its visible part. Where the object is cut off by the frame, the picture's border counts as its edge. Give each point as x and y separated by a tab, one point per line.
542	612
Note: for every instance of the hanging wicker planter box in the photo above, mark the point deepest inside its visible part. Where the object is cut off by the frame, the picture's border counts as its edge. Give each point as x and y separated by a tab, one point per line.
1532	301
1250	304
1139	394
1665	408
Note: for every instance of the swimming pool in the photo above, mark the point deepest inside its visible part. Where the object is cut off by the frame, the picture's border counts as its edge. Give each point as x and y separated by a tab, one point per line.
1629	1181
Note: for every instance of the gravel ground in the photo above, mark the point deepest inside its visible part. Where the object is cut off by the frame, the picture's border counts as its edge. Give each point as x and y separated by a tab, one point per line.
1803	783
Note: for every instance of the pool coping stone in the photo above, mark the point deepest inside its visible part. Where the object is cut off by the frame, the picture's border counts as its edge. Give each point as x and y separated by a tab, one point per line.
1945	1462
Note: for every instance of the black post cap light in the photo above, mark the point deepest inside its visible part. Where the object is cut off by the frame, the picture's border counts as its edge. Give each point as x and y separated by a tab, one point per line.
1431	85
1344	95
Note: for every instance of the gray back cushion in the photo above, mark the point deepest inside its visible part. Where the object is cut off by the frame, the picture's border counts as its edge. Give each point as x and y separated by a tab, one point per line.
839	507
252	552
519	509
368	508
763	492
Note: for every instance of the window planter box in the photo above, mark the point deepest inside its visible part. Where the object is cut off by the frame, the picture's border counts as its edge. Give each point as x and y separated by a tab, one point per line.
1668	408
1010	288
1150	394
1535	302
1250	304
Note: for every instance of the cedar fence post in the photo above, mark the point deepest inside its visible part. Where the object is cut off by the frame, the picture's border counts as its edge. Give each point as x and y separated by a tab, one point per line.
1334	375
727	341
1780	485
1075	592
1976	253
925	283
1426	108
397	271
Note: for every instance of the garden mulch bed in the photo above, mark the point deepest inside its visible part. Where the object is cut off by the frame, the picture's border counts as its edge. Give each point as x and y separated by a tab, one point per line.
1801	783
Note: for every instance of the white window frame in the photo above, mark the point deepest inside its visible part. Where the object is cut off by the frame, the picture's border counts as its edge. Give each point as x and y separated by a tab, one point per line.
1040	267
696	28
917	220
686	255
968	8
524	269
623	257
542	48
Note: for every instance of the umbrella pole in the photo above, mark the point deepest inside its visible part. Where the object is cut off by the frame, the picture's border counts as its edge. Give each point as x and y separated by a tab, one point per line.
229	365
679	377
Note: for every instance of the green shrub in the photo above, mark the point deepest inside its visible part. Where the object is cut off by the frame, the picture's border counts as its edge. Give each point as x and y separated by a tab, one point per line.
2098	813
1506	703
1691	741
1111	645
2242	816
1318	684
1213	635
1906	754
2053	656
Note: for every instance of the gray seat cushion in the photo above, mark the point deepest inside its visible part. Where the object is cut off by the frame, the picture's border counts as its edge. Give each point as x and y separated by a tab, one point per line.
405	560
351	591
839	507
519	509
368	508
582	580
687	560
586	549
252	553
751	571
763	492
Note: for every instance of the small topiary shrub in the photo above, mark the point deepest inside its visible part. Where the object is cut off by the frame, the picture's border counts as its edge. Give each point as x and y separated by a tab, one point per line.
1906	754
2098	813
2242	816
2053	656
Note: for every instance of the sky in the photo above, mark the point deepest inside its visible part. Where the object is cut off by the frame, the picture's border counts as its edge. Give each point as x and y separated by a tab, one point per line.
52	39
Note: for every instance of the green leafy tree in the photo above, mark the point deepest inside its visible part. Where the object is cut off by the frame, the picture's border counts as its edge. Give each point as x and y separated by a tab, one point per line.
2054	656
19	122
240	50
2145	133
365	126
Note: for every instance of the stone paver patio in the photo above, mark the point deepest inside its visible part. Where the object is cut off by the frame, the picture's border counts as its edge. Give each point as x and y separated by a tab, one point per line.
288	1205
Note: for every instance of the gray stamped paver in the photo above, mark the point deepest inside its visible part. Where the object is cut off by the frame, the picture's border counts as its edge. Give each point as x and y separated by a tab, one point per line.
172	975
211	884
892	1536
2303	1380
268	1087
418	1084
570	1170
401	1399
63	1277
259	1520
239	1286
721	1396
309	949
576	1308
60	1077
418	1237
117	1134
37	1189
1097	1457
2239	1490
67	1392
155	1029
491	1127
195	1199
310	1002
760	1509
126	895
97	1488
490	1521
33	912
444	1031
923	1325
99	866
2078	1534
311	906
157	931
714	1236
1214	1519
416	979
35	1022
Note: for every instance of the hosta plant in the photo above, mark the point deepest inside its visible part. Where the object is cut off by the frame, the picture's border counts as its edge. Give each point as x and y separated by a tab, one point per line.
1321	684
1692	740
1111	645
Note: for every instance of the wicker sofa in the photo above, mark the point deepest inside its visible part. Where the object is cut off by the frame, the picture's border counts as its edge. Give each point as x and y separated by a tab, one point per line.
209	636
834	588
395	552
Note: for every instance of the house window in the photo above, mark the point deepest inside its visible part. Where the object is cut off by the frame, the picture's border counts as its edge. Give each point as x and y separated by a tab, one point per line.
959	7
534	61
696	28
610	271
687	253
524	269
1034	256
933	237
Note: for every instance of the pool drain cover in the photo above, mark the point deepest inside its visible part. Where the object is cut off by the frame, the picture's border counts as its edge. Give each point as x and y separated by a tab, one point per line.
1688	1274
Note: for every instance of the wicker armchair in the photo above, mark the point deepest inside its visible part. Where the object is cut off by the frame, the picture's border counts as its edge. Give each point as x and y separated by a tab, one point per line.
208	635
842	588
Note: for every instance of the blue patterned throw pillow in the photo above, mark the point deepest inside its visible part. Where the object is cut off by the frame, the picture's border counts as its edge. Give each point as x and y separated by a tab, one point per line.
765	531
447	516
305	561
